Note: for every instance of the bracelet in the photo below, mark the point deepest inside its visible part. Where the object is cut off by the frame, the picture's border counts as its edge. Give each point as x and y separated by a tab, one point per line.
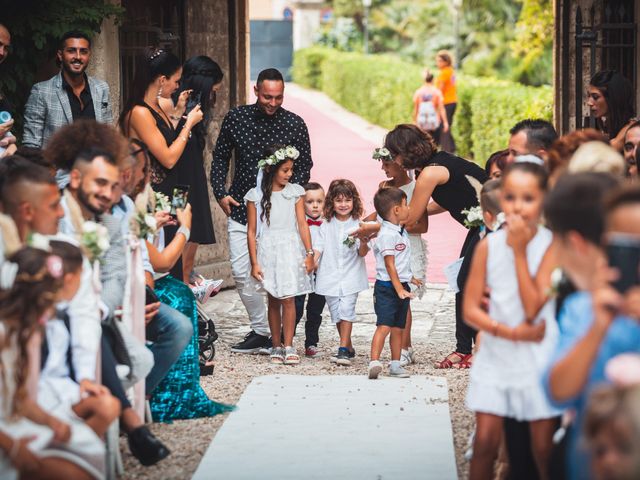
494	328
183	138
15	449
310	252
185	231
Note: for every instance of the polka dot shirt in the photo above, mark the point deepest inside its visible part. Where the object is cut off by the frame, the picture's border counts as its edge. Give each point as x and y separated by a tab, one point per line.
247	131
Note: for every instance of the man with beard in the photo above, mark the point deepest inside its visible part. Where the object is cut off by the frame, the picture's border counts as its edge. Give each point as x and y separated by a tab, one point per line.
68	96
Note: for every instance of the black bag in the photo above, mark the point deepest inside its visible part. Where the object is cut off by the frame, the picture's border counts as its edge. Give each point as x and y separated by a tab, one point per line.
112	334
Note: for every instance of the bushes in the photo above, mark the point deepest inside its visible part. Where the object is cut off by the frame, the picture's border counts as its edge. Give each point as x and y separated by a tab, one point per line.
380	88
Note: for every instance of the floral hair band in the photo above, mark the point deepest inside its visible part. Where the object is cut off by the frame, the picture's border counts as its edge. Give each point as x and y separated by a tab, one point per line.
280	155
382	154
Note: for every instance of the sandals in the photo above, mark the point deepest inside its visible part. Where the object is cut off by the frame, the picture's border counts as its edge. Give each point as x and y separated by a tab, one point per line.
465	363
277	355
448	362
291	357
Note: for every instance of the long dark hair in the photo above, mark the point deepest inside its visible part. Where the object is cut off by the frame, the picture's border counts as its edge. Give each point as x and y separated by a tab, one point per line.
618	93
150	65
21	307
200	74
267	181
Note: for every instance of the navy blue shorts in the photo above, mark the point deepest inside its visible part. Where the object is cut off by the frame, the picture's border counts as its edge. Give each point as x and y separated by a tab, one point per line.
390	310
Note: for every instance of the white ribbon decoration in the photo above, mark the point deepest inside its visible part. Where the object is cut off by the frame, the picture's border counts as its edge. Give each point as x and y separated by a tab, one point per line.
8	272
259	220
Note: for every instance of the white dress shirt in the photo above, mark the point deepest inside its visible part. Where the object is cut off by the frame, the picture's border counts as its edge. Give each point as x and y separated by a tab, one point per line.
393	240
342	271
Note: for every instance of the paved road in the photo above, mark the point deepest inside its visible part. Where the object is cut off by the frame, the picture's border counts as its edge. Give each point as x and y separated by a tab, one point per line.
341	145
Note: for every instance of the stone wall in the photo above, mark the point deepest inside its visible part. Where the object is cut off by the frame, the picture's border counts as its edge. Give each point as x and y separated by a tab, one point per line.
220	30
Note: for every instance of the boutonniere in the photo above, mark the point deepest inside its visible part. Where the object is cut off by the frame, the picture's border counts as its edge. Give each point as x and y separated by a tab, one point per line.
94	240
349	241
556	279
143	224
474	217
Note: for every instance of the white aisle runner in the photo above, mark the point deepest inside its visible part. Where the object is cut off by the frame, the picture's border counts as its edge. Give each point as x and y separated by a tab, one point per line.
335	427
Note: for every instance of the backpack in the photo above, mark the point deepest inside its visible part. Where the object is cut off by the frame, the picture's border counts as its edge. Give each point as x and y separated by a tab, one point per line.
427	116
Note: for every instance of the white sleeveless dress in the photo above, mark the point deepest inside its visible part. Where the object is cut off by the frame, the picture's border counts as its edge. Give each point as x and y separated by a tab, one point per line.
419	249
281	253
506	376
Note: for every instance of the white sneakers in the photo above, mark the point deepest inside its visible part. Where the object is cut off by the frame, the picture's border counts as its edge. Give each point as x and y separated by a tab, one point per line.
206	289
375	369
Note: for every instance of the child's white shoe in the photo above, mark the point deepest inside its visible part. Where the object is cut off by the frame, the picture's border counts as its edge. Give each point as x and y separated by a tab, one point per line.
375	368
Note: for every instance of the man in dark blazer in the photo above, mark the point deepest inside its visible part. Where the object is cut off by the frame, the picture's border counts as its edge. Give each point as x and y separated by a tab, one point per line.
68	96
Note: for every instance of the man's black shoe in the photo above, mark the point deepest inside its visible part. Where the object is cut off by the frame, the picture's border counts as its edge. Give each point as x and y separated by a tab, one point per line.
252	343
146	447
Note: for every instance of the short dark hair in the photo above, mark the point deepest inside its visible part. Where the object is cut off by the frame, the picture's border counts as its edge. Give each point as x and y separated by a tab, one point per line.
269	74
576	203
312	186
490	196
540	133
498	158
35	155
89	154
70	254
626	194
15	170
73	34
386	198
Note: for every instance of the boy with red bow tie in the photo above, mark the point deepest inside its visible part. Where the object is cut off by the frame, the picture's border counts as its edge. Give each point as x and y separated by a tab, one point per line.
313	206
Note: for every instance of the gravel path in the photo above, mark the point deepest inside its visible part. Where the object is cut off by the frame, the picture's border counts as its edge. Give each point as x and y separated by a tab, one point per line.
433	337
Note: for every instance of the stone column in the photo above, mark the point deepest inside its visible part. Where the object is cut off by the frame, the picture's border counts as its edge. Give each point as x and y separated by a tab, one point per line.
306	22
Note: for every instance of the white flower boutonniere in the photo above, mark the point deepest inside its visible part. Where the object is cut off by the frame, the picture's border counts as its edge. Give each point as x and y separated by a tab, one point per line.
36	240
163	204
474	217
556	280
95	240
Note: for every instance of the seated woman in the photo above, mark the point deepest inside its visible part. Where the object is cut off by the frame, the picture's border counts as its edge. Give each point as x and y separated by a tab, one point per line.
179	395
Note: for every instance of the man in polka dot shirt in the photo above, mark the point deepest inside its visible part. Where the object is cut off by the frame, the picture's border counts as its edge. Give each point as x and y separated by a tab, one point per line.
246	131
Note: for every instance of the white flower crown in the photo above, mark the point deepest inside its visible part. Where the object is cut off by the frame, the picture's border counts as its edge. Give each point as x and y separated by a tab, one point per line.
381	154
285	153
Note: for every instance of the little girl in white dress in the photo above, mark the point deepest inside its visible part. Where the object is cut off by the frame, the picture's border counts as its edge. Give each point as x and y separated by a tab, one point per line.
279	246
519	331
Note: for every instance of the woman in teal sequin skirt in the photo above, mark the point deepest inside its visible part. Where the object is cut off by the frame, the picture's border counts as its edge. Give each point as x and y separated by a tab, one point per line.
179	395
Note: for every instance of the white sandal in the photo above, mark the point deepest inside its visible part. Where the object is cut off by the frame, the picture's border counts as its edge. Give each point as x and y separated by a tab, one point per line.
277	355
291	356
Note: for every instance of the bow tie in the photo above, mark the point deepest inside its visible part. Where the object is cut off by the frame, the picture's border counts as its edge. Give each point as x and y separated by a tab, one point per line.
311	221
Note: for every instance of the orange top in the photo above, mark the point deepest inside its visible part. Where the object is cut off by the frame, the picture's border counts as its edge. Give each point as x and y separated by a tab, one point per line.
446	82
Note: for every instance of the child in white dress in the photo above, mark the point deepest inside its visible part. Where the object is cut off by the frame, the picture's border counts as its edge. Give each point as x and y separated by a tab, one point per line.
33	443
279	246
399	177
519	330
342	273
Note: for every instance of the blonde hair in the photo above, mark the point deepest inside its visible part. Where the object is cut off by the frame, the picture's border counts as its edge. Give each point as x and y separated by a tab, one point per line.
597	157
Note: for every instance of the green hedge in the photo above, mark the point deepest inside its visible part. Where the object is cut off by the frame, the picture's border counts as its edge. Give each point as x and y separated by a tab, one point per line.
379	88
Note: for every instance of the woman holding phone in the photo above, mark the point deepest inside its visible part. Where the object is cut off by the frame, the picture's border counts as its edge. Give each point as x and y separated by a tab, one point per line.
201	79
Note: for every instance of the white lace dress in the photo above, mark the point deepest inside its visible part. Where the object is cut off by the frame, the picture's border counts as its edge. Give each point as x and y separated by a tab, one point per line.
281	253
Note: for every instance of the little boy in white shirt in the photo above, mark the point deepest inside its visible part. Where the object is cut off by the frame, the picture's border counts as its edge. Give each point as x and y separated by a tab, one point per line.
391	292
313	206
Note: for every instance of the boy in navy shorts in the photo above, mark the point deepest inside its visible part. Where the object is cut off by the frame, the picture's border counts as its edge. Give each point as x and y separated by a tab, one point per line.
391	292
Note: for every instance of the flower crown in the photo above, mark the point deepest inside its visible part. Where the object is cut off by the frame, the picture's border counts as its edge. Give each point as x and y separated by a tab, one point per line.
287	152
382	154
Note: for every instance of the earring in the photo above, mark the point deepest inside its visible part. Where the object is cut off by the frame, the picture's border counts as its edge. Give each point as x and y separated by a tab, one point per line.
159	92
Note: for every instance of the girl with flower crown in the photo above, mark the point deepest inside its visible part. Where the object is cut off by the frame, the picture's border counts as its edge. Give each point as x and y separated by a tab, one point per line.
279	246
34	444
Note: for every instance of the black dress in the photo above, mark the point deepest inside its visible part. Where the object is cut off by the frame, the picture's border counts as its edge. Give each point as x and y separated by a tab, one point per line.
454	196
189	170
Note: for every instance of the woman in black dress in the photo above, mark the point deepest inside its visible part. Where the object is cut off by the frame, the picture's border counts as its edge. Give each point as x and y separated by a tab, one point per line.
201	79
443	179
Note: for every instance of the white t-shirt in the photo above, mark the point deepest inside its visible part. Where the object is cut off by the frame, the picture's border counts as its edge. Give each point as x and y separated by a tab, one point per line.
393	240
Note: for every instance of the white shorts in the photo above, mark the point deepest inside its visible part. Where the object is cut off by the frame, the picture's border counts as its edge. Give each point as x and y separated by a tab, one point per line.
342	308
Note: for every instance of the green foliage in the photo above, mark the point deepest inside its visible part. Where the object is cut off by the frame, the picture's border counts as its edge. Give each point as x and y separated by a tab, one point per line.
380	88
36	27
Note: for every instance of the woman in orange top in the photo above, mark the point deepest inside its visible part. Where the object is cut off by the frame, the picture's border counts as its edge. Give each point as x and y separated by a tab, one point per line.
446	82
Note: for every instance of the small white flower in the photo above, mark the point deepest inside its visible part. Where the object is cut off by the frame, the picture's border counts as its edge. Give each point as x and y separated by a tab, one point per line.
271	160
103	244
150	221
383	152
89	227
40	242
281	155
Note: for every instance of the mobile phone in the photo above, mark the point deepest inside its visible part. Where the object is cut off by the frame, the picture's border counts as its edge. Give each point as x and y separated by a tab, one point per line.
179	198
194	99
624	255
150	296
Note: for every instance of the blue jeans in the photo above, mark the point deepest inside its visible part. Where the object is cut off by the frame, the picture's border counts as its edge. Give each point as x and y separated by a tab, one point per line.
170	332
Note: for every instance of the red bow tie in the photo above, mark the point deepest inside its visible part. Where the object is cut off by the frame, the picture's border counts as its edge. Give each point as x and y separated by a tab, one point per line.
311	221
